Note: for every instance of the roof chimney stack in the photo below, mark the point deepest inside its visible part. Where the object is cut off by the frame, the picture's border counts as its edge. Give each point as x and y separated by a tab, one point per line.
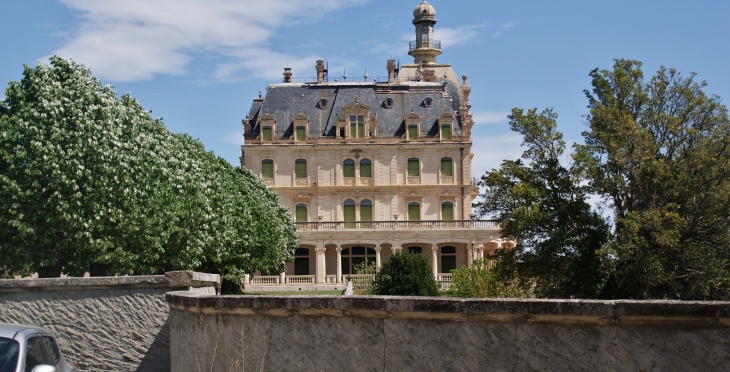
320	71
391	71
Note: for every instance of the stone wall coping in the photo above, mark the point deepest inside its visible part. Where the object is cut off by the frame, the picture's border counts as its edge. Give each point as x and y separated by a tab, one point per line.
172	280
614	312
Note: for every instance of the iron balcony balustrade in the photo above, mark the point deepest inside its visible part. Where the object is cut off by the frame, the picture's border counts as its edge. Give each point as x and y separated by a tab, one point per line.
396	225
436	44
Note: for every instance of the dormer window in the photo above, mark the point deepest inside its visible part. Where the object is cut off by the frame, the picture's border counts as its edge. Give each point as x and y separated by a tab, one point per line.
388	103
413	126
322	104
266	134
446	125
355	123
357	126
427	102
300	123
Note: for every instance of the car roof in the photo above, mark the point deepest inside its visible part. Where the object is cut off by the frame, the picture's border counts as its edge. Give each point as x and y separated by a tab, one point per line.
10	330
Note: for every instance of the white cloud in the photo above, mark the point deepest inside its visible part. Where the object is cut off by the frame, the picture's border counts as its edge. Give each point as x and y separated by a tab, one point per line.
490	117
234	138
451	37
491	150
135	40
504	27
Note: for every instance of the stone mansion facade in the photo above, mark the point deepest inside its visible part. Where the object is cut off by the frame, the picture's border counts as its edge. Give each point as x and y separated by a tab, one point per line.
369	167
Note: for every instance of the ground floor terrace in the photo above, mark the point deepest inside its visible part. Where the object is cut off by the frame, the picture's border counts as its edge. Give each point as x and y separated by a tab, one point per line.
328	252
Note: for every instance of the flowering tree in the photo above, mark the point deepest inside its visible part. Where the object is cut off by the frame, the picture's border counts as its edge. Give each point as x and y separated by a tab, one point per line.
89	180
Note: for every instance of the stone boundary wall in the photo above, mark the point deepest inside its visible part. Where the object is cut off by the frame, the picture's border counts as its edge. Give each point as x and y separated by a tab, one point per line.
103	323
300	333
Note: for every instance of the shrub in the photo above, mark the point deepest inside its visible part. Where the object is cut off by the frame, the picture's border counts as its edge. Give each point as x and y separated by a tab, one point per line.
480	281
364	285
406	274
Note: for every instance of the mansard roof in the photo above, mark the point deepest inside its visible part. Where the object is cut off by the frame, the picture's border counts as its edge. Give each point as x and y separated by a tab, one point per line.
389	104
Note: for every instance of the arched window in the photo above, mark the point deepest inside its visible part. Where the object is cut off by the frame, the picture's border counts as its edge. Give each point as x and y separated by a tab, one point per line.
448	259
348	210
365	168
301	213
301	261
300	168
366	211
348	168
351	257
267	168
414	211
414	168
447	211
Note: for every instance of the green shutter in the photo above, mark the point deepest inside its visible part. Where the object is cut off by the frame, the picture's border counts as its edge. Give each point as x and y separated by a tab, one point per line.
267	169
267	134
447	211
349	213
300	168
301	213
413	132
360	127
348	169
414	212
446	132
301	134
366	212
413	168
447	167
365	168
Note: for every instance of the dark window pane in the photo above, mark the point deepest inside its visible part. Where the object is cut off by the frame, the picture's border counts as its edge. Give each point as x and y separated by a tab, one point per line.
448	263
358	250
346	252
33	354
345	262
448	250
371	252
50	350
357	261
301	266
415	250
9	354
302	252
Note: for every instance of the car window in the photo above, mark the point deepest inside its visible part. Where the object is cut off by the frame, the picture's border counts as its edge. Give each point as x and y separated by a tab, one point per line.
33	353
50	350
8	354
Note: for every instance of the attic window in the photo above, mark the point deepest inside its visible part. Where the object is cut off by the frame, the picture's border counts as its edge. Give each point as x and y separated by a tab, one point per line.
322	104
388	103
427	102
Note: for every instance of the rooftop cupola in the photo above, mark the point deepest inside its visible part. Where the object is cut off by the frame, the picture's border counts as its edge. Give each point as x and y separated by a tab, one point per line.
424	49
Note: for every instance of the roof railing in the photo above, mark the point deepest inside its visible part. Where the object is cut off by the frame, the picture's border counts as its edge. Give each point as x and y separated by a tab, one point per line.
434	44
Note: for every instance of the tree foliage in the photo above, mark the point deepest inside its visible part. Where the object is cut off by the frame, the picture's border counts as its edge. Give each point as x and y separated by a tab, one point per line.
658	151
405	274
87	179
482	282
543	206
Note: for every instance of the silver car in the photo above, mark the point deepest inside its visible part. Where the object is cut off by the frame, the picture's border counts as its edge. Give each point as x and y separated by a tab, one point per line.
30	349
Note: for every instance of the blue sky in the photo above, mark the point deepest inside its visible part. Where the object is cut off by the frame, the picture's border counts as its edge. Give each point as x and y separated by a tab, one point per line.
199	63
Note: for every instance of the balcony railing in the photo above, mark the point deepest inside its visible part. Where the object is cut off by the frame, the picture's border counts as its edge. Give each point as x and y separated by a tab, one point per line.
301	182
393	225
414	180
269	181
435	44
447	180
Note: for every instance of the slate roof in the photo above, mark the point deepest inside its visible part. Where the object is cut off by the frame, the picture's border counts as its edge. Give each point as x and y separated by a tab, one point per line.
284	101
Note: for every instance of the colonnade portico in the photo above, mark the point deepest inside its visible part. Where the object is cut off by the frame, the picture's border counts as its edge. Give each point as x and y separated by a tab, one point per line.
462	251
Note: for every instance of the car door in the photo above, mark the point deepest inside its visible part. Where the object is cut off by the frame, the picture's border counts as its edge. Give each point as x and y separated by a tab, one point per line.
50	351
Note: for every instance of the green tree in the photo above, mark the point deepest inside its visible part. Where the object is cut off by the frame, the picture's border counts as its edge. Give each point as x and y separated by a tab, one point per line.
658	151
405	274
88	179
542	205
480	281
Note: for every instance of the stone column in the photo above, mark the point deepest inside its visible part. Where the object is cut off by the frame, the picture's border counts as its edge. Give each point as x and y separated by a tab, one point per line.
434	261
480	251
320	276
395	249
469	256
377	257
339	265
